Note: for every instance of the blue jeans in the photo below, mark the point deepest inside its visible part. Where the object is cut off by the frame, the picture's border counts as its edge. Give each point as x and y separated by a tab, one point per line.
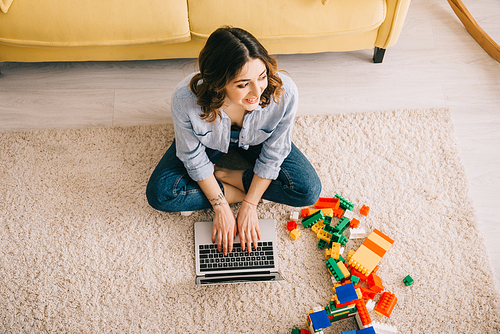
170	188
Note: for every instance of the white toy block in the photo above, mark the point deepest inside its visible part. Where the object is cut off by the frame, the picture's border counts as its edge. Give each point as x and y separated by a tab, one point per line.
370	305
358	233
317	309
294	215
383	328
349	214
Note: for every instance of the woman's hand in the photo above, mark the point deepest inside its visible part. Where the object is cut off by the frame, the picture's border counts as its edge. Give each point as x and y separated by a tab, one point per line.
224	228
248	226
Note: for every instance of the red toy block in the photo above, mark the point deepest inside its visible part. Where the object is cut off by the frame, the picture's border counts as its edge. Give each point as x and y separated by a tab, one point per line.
375	283
338	212
386	304
355	272
364	210
354	223
304	212
291	225
363	313
325	203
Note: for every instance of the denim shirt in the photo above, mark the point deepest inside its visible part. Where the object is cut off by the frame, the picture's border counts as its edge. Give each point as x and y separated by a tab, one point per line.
270	126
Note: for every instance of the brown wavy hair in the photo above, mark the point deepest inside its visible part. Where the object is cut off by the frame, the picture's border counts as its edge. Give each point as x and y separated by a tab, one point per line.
225	53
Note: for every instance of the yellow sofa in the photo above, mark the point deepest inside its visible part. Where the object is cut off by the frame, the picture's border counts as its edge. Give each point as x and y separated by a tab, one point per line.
84	30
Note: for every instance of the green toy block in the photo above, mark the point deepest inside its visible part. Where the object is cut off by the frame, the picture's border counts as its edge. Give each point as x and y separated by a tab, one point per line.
344	204
334	269
327	220
408	280
328	228
342	225
354	279
322	244
313	219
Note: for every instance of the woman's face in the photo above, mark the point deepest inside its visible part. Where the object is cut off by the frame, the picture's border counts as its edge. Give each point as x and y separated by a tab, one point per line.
245	90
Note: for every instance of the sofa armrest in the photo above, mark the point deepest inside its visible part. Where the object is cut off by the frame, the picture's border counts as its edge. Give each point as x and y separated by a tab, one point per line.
390	29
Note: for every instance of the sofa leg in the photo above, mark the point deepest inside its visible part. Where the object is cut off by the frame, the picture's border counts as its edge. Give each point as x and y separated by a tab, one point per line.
378	55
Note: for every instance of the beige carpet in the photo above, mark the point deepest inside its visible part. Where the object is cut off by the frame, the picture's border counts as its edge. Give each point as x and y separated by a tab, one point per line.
81	251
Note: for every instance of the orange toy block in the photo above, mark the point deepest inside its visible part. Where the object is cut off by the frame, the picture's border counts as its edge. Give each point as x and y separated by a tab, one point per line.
363	313
325	202
371	251
354	223
386	304
364	210
375	283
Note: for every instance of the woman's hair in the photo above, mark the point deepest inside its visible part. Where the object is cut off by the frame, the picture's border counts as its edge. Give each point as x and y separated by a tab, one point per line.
225	53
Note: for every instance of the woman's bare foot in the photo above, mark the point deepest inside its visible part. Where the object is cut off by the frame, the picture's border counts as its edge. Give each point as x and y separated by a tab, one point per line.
230	176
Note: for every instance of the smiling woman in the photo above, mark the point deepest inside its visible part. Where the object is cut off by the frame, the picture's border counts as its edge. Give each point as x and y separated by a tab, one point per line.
237	100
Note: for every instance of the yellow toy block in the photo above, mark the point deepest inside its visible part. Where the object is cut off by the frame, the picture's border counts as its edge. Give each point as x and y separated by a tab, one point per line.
318	226
343	268
335	253
326	212
295	234
364	260
328	253
324	235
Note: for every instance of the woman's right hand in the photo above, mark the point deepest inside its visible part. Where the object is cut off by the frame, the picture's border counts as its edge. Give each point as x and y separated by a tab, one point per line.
224	227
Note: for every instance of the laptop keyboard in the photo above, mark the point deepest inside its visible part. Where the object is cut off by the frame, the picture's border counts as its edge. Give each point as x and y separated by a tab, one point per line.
213	260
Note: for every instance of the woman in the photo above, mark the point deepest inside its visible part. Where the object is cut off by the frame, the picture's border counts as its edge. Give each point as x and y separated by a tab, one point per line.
238	100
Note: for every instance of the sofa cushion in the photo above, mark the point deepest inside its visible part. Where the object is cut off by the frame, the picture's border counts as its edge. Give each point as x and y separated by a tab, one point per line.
287	20
77	23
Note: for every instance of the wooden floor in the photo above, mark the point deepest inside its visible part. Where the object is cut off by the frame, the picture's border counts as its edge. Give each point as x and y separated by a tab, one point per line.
434	64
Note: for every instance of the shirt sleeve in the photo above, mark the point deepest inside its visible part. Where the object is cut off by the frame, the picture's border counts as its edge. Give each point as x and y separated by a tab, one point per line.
188	147
277	147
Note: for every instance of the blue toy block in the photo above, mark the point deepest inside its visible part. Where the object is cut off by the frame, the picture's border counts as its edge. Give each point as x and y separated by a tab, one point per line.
346	293
320	320
367	330
348	332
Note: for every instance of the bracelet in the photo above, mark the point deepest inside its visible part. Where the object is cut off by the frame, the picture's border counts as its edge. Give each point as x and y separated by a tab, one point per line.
250	203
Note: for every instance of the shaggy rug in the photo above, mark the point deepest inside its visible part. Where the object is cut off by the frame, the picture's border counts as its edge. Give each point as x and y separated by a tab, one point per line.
82	252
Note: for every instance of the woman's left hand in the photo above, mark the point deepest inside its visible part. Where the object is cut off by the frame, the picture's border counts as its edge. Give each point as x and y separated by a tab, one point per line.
248	226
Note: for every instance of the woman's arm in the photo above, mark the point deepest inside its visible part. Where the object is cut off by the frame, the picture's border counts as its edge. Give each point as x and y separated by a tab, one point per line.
224	223
248	222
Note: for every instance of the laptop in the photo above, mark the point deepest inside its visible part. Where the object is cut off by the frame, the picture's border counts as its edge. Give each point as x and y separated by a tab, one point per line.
212	267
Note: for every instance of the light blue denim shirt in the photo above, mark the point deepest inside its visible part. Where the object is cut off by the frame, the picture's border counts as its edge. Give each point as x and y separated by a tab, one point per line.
270	126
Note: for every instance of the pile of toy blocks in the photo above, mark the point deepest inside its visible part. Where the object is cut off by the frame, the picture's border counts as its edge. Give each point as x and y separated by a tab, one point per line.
355	283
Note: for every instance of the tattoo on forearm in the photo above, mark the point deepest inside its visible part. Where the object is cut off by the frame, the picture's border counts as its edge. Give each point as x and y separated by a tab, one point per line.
219	200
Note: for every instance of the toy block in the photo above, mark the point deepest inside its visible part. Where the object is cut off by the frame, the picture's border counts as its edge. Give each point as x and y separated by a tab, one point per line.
322	234
319	320
291	225
370	305
344	270
305	212
346	293
367	330
363	318
313	219
364	210
354	223
294	215
408	280
354	279
342	225
295	234
370	252
298	330
318	226
347	332
322	243
383	328
334	269
348	214
361	276
328	212
325	202
357	233
327	220
367	293
337	212
344	204
375	283
335	250
386	304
